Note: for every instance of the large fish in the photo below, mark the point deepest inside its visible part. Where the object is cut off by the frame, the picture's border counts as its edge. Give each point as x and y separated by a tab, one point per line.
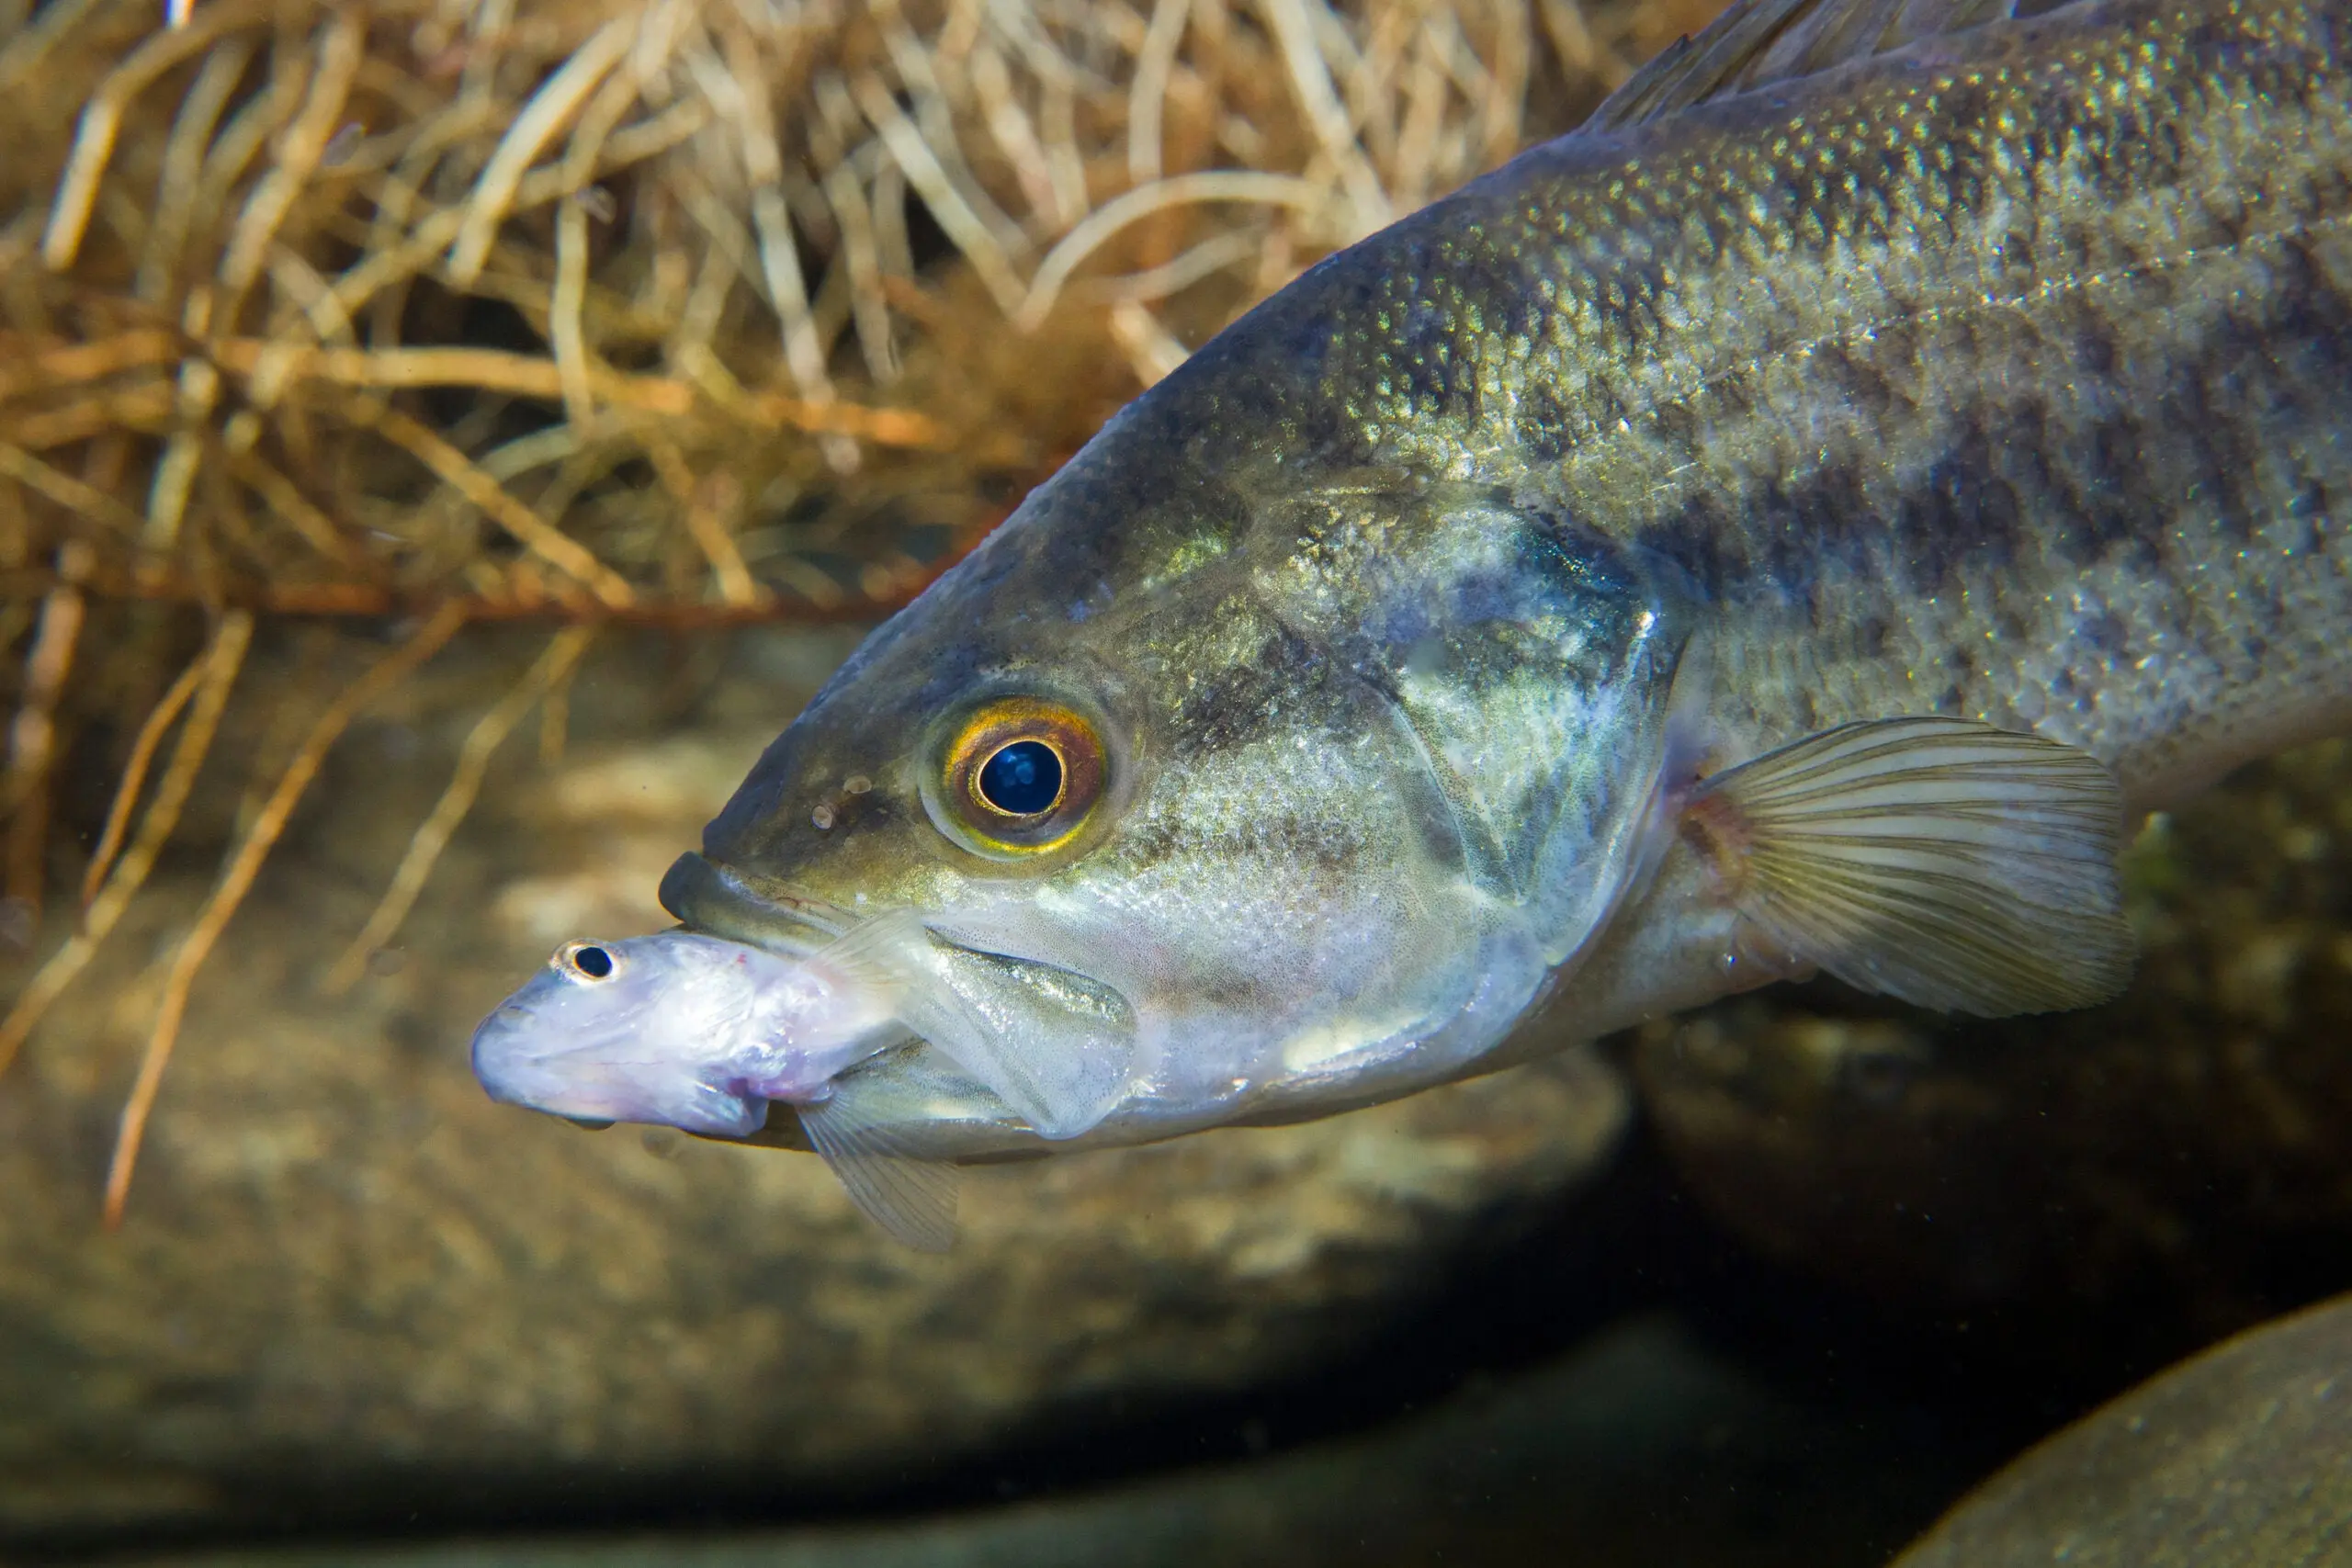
1788	524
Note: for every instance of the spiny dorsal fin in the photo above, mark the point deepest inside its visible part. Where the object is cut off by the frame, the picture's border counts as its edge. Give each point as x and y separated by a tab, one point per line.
912	1199
1757	42
1944	861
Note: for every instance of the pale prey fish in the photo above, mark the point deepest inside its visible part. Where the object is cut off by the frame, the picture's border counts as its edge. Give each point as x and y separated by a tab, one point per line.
682	1030
1790	523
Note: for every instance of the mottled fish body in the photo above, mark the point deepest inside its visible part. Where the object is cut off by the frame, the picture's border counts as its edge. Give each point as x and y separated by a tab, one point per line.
1785	524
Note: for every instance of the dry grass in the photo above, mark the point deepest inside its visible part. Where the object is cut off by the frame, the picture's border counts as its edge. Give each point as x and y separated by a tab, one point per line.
682	311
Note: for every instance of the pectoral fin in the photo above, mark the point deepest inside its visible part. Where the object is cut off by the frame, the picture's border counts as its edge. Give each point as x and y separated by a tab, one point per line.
914	1200
1947	862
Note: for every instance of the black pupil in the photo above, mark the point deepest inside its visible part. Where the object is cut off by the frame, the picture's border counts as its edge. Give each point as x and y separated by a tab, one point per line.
1023	779
593	962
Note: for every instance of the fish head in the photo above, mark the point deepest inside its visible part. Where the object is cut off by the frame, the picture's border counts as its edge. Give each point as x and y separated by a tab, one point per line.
646	1029
1244	786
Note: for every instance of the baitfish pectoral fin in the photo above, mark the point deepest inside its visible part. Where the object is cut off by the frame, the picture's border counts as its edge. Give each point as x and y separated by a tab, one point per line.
914	1200
1947	862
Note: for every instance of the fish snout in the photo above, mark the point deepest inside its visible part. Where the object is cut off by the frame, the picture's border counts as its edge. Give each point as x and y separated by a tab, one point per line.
524	1058
508	1070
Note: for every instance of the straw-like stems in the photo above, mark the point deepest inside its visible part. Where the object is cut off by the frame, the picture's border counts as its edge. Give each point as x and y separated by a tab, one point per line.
567	335
28	367
530	530
700	505
1151	348
1293	24
290	506
44	30
238	880
271	368
32	738
218	668
67	491
742	95
1149	95
555	719
948	206
555	103
489	732
177	183
341	40
101	121
159	719
1222	185
146	409
820	599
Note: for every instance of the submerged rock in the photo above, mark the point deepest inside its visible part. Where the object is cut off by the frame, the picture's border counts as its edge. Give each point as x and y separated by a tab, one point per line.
2240	1459
2166	1168
349	1286
1644	1446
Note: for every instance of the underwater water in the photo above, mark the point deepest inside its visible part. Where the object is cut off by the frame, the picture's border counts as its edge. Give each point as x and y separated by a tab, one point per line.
1774	1283
1804	1277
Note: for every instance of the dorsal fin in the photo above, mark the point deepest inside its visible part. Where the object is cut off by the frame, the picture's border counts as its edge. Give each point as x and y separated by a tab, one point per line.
1757	42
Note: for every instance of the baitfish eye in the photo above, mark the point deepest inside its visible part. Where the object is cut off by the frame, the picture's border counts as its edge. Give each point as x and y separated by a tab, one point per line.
1020	776
587	961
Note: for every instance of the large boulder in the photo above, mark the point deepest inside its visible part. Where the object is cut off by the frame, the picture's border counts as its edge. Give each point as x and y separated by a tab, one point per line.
2240	1459
1645	1445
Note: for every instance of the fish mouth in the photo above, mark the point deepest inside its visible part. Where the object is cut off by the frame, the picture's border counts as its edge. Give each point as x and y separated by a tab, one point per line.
718	899
1044	1036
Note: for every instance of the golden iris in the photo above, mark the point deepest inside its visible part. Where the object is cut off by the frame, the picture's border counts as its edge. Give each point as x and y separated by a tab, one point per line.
587	961
1020	775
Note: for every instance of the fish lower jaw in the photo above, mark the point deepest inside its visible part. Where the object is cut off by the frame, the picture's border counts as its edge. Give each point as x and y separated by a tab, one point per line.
720	1112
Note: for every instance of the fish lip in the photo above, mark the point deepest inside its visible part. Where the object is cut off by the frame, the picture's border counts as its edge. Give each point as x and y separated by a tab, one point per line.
719	900
512	1075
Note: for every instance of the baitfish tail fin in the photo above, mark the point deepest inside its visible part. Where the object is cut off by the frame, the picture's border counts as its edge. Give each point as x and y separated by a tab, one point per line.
1759	42
914	1200
1943	862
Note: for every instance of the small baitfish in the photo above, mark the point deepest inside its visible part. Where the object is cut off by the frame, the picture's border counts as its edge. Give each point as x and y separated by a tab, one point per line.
688	1031
1788	524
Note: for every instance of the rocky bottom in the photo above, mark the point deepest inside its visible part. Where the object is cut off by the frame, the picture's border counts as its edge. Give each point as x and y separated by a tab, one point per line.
1774	1284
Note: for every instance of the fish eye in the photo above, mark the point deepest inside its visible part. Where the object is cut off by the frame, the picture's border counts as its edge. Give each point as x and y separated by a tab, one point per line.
1020	780
1019	775
587	961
